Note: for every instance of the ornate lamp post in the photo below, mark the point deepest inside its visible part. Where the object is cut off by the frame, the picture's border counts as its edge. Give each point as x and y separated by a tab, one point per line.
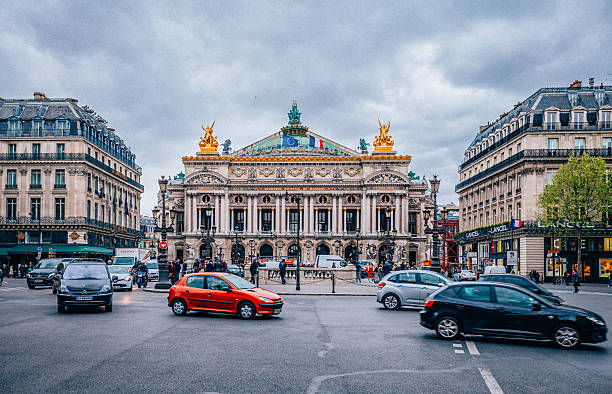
356	250
296	198
444	216
162	256
206	228
388	236
435	260
235	252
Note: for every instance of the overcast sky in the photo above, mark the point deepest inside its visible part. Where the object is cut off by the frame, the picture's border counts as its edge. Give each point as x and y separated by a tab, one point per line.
436	70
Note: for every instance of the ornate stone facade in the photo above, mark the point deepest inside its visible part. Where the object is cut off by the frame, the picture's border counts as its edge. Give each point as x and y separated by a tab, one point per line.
341	190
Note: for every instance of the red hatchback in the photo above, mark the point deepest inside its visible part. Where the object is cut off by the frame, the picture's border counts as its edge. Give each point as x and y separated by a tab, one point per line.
222	292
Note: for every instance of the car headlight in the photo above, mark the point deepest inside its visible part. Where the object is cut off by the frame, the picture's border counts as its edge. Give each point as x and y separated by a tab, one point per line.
128	278
105	289
28	275
596	320
63	289
50	276
264	299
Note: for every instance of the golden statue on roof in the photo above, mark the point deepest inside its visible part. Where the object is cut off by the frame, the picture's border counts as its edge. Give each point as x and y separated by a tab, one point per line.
383	143
208	143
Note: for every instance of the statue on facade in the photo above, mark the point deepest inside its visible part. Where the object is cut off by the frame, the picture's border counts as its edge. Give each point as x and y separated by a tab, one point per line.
208	143
280	172
252	173
308	174
227	146
371	251
337	172
294	114
363	146
383	143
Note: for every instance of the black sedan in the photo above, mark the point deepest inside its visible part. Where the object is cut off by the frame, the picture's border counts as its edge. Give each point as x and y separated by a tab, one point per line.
43	273
85	283
505	310
525	283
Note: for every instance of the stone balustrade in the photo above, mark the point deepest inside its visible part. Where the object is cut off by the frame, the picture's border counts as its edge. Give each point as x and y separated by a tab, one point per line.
308	275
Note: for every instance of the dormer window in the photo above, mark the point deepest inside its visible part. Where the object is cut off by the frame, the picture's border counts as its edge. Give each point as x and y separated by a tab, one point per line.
578	120
551	121
62	128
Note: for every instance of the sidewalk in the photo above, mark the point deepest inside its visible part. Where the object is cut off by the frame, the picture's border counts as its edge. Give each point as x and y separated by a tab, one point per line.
352	290
595	288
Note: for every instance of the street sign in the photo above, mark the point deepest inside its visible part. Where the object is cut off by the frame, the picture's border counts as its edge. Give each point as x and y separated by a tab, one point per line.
39	249
163	245
511	257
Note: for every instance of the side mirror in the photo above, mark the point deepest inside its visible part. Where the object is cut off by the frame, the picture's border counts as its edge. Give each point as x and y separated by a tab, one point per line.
441	284
536	306
115	278
228	289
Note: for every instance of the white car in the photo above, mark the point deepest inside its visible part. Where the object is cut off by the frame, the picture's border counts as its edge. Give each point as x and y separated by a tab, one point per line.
153	269
464	275
122	275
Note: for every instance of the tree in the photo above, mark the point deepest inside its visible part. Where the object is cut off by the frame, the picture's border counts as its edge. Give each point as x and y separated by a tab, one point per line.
579	196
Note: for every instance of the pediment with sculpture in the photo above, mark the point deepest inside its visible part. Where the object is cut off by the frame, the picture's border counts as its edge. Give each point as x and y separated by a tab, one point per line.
387	177
202	178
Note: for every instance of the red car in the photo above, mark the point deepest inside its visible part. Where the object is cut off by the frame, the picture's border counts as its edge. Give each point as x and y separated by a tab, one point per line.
222	292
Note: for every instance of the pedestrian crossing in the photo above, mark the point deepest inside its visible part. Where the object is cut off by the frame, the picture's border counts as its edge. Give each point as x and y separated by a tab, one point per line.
4	288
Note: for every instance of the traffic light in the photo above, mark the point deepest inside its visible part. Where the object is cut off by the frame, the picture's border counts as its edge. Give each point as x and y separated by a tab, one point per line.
141	244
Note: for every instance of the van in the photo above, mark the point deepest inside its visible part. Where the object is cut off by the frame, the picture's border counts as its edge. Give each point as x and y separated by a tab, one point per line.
494	269
328	260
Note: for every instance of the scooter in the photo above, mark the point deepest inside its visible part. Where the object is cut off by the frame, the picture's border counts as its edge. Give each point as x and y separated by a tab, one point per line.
141	279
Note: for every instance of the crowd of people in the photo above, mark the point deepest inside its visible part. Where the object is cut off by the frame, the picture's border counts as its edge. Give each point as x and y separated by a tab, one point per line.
16	271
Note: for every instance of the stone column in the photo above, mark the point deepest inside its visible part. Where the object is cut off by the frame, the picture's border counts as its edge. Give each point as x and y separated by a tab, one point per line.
374	218
232	224
255	216
226	213
247	217
187	214
340	214
283	216
397	217
364	225
316	227
216	213
312	215
333	221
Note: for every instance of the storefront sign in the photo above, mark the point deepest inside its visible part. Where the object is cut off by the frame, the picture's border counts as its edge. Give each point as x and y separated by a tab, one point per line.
605	267
512	257
608	244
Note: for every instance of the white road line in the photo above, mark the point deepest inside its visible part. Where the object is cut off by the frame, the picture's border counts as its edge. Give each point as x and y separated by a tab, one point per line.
457	345
490	381
459	351
472	348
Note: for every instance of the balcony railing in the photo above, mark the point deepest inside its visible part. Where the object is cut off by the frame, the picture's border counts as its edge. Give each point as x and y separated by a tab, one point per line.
71	221
70	157
534	154
36	186
518	190
11	186
60	186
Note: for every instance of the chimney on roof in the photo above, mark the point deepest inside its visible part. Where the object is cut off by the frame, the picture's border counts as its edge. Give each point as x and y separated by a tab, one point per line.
483	127
39	96
73	100
576	84
591	82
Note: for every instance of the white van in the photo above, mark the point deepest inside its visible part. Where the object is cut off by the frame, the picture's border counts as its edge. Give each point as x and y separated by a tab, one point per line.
328	260
494	269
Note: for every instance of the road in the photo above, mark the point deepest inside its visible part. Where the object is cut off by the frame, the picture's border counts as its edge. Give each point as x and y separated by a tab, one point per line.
317	344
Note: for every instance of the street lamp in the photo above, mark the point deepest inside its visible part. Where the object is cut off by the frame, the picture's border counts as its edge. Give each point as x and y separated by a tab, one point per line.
444	216
235	252
435	260
356	251
162	257
206	228
296	198
388	236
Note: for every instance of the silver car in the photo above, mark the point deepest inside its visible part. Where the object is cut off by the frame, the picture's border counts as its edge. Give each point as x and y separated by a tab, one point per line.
464	275
153	268
123	277
408	288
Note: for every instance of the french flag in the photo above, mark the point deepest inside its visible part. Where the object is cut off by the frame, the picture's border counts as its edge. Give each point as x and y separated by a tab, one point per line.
316	142
517	223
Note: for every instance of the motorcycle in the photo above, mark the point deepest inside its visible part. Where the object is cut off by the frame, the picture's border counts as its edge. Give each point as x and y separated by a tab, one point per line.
141	279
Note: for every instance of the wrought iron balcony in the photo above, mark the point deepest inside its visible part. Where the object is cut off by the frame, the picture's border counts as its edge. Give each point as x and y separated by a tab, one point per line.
70	221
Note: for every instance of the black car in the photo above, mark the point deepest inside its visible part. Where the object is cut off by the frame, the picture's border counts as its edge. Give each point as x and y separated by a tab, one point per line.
85	283
43	273
504	310
524	283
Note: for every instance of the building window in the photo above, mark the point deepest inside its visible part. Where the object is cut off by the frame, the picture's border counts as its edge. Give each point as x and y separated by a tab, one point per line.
96	190
62	129
11	179
239	219
12	150
551	121
88	209
36	151
266	219
11	209
501	214
607	145
59	149
60	179
518	211
553	144
579	145
351	220
60	209
35	179
294	216
89	182
322	200
12	128
206	199
322	221
387	199
550	174
351	199
35	208
578	120
267	199
38	129
95	211
605	119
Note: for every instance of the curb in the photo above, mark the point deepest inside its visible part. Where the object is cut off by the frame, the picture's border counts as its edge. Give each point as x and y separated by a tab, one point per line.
290	294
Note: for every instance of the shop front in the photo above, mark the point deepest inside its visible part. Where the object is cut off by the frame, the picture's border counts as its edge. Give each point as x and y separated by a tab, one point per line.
596	265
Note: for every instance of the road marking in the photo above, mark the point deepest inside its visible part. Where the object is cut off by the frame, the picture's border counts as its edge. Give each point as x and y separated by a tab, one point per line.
472	348
490	381
459	351
457	345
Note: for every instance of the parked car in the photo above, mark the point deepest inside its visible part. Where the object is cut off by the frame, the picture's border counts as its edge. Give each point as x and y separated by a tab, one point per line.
222	292
43	272
235	269
494	269
153	268
330	261
505	310
59	269
408	288
85	283
464	275
122	278
525	283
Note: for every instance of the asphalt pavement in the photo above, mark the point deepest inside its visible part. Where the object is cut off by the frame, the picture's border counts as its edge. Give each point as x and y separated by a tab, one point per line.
317	344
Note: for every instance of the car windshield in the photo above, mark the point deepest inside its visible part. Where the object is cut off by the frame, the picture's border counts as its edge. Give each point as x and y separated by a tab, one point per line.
542	289
123	260
238	282
47	264
118	269
85	271
152	265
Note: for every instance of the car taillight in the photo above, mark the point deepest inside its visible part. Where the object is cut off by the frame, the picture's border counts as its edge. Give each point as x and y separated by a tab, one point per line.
381	285
429	303
463	274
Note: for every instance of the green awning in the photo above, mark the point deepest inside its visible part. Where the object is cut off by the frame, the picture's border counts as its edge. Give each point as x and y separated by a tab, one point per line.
4	251
60	249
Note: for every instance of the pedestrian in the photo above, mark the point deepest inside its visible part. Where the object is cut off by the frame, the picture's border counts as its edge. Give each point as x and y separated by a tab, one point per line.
283	270
196	265
223	266
210	267
568	276
1	276
254	268
217	265
537	277
357	272
610	280
403	266
576	280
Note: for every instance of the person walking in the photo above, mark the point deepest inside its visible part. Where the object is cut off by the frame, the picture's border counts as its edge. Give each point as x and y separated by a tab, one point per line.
254	268
1	276
576	280
610	280
210	267
357	272
568	276
537	277
283	270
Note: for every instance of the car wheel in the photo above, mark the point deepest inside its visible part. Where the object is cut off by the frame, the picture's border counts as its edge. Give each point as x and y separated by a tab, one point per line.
61	308
130	289
566	336
108	308
179	307
391	301
246	310
31	287
448	327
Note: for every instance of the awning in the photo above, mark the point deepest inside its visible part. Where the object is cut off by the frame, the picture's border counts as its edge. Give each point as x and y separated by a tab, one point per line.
4	251
60	249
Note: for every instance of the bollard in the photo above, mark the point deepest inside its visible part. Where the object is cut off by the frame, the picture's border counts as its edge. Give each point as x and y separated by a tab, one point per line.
257	278
333	283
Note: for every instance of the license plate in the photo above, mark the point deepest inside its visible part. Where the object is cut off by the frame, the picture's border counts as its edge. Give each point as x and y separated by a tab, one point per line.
84	298
276	312
38	281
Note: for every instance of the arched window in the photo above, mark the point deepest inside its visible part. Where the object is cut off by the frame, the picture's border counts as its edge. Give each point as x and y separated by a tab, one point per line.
322	249
293	251
266	251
